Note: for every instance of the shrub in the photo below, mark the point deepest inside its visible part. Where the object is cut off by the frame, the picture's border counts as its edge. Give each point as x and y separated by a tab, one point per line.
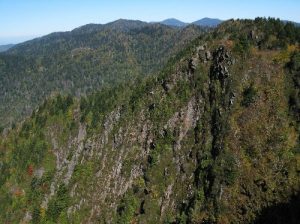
127	208
58	203
242	46
36	215
249	95
294	98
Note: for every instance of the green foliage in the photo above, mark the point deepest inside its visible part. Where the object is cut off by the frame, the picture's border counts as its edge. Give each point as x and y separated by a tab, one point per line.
225	168
191	148
78	62
278	34
36	215
29	150
182	219
294	64
153	158
83	173
61	104
264	33
127	208
4	170
58	203
249	95
294	91
294	101
242	46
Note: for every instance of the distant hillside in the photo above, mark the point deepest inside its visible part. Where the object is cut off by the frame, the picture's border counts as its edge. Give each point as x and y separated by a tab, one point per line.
208	22
205	22
173	22
84	60
288	21
5	47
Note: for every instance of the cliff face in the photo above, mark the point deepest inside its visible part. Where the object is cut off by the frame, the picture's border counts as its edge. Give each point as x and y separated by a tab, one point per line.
211	139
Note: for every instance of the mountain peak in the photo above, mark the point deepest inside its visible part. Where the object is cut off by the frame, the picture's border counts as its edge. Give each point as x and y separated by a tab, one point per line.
125	24
173	22
210	22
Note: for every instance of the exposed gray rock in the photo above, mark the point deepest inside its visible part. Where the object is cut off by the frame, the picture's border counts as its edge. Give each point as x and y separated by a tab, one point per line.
253	35
166	198
39	172
74	161
222	59
202	56
200	48
208	55
193	62
232	98
88	145
27	218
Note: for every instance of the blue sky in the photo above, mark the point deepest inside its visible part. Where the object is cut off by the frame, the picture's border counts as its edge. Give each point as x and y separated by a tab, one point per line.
24	19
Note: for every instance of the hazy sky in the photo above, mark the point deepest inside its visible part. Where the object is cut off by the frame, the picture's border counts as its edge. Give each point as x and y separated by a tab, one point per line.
24	19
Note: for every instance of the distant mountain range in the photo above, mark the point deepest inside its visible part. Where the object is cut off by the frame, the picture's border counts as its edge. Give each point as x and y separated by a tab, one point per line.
121	24
208	22
5	47
204	22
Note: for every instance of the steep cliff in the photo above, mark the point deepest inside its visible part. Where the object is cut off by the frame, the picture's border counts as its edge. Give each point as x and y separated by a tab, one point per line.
214	138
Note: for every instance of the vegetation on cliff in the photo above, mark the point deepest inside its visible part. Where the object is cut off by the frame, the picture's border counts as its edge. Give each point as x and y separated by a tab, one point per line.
212	138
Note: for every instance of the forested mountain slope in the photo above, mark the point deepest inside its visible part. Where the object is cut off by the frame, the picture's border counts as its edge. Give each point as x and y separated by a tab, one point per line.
5	47
213	138
83	60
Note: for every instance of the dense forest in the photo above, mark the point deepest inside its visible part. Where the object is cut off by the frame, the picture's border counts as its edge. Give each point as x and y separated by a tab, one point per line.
83	60
209	135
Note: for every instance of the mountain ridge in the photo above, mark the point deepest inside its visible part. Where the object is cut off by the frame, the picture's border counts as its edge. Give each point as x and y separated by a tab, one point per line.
173	22
210	22
83	60
5	47
212	138
204	22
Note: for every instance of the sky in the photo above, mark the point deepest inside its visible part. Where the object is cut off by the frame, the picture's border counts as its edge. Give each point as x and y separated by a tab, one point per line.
21	20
